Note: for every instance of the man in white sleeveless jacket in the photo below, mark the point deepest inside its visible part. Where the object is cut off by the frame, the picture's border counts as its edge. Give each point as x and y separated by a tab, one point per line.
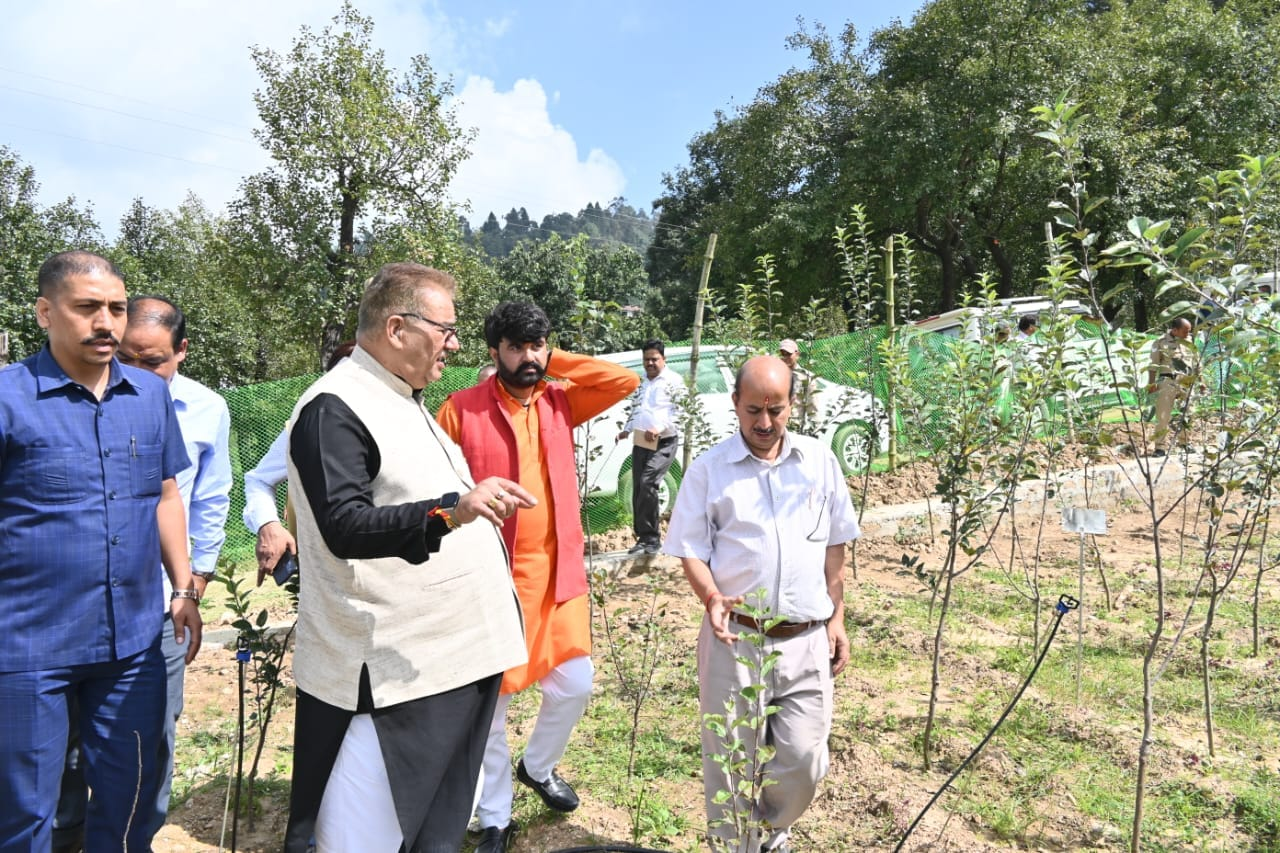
407	616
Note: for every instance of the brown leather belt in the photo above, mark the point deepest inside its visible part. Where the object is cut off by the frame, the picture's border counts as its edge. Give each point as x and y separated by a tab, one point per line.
778	632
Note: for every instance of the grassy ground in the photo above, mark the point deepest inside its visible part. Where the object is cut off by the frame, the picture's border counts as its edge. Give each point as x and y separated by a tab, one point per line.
1059	775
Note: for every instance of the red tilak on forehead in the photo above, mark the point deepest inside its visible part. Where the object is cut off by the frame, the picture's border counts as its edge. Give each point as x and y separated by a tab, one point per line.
766	399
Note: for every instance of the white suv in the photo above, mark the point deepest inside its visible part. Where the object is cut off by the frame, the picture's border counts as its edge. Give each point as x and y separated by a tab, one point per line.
961	321
850	420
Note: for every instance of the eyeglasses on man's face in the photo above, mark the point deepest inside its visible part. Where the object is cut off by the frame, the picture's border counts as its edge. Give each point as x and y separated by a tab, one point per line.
449	331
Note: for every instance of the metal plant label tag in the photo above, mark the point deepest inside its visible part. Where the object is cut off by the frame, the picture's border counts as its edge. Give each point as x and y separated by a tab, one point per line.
1079	520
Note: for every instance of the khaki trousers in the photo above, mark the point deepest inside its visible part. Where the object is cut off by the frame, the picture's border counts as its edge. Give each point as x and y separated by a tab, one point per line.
1170	393
800	684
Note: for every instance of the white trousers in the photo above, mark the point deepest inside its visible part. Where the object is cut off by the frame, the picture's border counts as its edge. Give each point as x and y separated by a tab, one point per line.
800	684
565	691
357	812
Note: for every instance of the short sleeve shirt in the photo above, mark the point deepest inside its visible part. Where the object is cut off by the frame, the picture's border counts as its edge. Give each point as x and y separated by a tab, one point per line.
80	479
765	525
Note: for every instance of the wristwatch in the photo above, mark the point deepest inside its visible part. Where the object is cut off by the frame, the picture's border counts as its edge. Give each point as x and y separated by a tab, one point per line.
444	509
204	576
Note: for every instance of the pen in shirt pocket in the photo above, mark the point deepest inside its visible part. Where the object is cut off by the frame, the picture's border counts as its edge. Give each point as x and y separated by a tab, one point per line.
133	446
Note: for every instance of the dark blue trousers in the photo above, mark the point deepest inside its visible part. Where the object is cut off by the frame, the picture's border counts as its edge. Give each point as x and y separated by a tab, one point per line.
121	722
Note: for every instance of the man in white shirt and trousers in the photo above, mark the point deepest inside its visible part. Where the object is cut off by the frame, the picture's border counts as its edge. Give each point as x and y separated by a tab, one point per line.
653	424
767	509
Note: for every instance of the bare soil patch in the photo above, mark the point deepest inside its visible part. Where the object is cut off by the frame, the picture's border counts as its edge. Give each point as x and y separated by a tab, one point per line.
876	784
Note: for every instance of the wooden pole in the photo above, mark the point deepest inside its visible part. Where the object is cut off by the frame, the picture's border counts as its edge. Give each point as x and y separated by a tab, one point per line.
699	308
891	306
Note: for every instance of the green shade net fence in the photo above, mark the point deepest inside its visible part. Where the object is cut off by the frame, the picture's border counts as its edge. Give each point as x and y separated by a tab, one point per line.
850	363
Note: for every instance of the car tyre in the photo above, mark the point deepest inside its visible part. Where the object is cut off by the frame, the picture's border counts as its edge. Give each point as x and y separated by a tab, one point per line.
853	444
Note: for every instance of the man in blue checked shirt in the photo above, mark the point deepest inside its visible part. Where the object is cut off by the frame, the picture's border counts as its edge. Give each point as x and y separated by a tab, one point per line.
89	503
156	340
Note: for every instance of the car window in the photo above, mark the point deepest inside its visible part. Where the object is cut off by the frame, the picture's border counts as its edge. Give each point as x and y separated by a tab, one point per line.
710	378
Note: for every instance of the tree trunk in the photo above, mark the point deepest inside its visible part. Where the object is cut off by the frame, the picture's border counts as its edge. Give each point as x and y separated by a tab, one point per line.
1141	311
950	277
926	747
334	333
1004	286
1257	581
1206	678
1148	691
342	266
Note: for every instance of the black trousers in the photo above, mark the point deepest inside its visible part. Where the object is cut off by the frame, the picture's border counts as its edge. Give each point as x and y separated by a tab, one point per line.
648	467
433	749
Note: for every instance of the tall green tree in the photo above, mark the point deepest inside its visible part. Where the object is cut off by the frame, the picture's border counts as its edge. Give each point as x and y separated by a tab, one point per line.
759	178
559	274
353	145
928	126
29	233
171	253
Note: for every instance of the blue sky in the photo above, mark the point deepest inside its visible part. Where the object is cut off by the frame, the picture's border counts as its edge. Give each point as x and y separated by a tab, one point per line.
572	101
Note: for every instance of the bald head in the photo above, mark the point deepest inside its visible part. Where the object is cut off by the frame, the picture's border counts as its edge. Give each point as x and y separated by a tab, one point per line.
156	337
764	369
159	311
762	394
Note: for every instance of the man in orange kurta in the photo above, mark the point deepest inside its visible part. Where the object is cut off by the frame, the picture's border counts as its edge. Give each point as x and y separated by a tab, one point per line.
519	424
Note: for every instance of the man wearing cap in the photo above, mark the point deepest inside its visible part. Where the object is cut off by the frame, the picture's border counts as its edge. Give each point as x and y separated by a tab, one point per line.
769	510
806	407
1169	379
653	425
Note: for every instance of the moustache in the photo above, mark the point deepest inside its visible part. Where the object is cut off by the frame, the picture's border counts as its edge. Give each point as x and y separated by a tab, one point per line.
108	338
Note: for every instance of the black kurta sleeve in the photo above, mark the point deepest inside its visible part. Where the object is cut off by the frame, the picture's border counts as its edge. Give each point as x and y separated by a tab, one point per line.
337	460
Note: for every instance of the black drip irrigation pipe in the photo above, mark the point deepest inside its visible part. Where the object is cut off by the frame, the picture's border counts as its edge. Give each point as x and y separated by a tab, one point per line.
607	848
1064	606
242	660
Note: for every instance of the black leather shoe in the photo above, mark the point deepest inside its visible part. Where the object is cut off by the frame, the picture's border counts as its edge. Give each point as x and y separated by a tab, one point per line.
637	548
494	839
68	840
555	792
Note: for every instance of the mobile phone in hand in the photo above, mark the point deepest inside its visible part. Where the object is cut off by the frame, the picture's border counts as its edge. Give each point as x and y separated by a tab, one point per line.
285	568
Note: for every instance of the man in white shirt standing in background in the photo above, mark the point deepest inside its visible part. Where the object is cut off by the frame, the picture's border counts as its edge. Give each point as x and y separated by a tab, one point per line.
653	422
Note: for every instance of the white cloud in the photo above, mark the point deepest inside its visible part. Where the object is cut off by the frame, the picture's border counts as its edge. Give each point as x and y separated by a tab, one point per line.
148	65
520	158
497	27
185	63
